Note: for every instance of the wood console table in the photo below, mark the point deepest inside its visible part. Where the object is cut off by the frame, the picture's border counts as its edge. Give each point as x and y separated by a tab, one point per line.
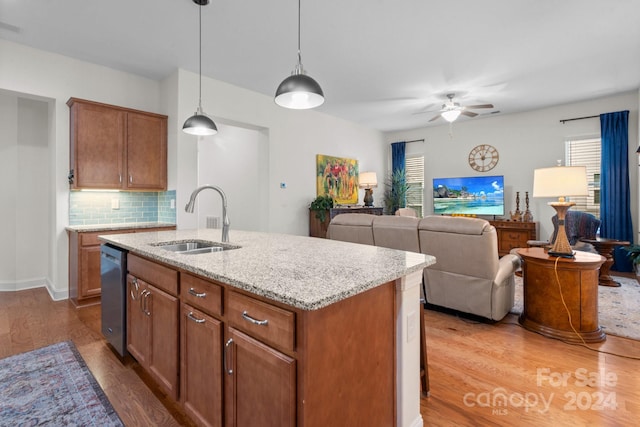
514	234
544	311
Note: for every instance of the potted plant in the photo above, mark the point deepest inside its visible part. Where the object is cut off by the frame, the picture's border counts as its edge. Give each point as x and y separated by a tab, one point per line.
318	218
395	193
321	206
633	252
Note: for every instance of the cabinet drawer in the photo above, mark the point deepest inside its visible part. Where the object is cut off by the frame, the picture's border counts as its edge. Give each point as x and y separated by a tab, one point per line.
201	294
91	239
261	320
156	274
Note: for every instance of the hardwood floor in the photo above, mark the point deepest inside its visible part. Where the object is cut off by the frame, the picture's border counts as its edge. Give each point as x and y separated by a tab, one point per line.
471	366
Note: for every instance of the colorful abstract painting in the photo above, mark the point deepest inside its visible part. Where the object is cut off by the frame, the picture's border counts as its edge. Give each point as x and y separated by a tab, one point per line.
337	177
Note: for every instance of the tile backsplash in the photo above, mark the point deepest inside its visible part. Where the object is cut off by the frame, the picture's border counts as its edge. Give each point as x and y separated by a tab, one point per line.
102	207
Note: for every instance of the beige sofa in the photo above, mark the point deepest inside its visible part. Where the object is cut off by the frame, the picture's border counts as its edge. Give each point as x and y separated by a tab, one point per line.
468	275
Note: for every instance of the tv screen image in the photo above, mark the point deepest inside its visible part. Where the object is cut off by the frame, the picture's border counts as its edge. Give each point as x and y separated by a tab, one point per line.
471	195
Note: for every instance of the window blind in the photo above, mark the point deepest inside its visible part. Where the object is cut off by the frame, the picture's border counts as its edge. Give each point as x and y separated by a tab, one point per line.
414	172
586	152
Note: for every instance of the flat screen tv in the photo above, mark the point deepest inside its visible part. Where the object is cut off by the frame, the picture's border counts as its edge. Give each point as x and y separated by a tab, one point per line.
471	195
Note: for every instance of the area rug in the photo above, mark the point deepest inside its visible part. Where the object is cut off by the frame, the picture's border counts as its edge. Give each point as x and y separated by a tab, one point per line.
618	308
52	386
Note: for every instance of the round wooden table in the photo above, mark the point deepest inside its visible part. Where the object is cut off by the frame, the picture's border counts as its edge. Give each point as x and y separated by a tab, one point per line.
605	248
548	304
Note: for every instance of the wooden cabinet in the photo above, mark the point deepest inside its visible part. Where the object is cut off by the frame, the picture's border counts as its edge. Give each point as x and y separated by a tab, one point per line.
84	264
514	234
246	360
153	319
116	148
201	377
260	384
567	311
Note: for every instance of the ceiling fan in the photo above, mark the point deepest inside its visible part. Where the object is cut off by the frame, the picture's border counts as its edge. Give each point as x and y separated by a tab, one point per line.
450	110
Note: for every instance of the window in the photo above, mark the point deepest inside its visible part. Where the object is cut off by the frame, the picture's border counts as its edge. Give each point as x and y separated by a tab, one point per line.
586	152
414	170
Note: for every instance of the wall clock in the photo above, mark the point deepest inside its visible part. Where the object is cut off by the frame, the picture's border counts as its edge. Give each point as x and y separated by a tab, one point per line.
483	158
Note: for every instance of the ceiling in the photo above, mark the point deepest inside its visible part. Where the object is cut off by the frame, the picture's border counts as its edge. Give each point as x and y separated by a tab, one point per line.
386	64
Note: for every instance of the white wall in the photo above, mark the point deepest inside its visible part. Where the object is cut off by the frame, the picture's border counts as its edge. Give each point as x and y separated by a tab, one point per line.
294	139
236	160
24	168
525	141
53	78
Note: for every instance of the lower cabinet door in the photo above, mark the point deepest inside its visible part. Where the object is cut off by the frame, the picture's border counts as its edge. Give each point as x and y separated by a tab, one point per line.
260	383
201	367
138	323
164	311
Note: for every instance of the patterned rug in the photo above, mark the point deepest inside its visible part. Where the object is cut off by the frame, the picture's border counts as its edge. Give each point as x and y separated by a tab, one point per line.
618	308
52	386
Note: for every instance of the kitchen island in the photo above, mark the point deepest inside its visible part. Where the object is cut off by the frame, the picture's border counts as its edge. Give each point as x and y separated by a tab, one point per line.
302	331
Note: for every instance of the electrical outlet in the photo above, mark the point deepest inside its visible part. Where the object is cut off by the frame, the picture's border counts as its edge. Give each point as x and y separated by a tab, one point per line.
173	203
115	203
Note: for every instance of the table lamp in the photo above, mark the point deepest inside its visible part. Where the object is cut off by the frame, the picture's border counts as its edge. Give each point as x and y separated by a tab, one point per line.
368	180
560	181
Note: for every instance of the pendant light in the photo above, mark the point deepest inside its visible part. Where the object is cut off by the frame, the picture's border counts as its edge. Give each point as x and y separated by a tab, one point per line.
299	91
200	124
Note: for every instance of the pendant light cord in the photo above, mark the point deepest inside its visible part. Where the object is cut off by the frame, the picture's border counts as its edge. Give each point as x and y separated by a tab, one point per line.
299	54
200	57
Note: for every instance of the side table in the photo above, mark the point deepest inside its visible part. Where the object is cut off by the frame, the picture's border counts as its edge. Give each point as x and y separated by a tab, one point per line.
544	311
605	248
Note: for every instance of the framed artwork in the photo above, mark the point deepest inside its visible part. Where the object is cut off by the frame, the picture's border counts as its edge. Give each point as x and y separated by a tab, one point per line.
338	178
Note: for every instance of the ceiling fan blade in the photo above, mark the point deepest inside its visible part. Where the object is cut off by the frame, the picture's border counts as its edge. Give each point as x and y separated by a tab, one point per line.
474	107
469	113
435	118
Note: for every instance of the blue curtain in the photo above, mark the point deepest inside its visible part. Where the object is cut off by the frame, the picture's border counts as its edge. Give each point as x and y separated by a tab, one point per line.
397	156
615	204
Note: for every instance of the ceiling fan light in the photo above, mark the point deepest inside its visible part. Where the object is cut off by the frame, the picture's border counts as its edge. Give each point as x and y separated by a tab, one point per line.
299	92
450	115
199	124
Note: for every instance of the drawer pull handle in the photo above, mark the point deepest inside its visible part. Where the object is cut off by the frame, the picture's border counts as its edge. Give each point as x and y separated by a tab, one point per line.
227	360
197	294
248	318
194	318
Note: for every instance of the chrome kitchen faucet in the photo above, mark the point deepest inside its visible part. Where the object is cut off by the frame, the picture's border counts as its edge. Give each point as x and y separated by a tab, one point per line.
225	218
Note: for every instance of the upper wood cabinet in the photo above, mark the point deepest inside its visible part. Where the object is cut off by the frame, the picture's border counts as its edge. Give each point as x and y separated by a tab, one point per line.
116	148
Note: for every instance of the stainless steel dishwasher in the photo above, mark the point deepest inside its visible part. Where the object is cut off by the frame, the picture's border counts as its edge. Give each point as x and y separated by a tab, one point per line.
113	276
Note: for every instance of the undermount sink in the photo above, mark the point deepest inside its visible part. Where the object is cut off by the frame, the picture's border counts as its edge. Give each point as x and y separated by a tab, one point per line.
194	247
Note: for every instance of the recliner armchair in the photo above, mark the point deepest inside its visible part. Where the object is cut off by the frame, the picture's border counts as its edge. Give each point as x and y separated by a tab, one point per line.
468	275
578	225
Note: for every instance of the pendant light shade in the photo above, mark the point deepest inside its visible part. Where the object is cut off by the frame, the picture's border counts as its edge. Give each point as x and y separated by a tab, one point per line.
299	91
200	124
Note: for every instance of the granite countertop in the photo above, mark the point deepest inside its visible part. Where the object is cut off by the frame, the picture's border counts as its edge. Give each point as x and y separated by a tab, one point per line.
304	272
118	226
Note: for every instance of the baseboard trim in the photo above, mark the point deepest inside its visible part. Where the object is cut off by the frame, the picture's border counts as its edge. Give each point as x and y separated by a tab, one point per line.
23	285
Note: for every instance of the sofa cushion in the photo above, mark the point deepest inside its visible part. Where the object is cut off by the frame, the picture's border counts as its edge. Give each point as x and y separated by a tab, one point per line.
452	224
396	232
352	227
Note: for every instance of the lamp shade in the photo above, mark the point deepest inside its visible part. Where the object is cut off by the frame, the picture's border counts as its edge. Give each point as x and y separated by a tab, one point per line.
450	115
199	124
299	92
560	181
368	180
